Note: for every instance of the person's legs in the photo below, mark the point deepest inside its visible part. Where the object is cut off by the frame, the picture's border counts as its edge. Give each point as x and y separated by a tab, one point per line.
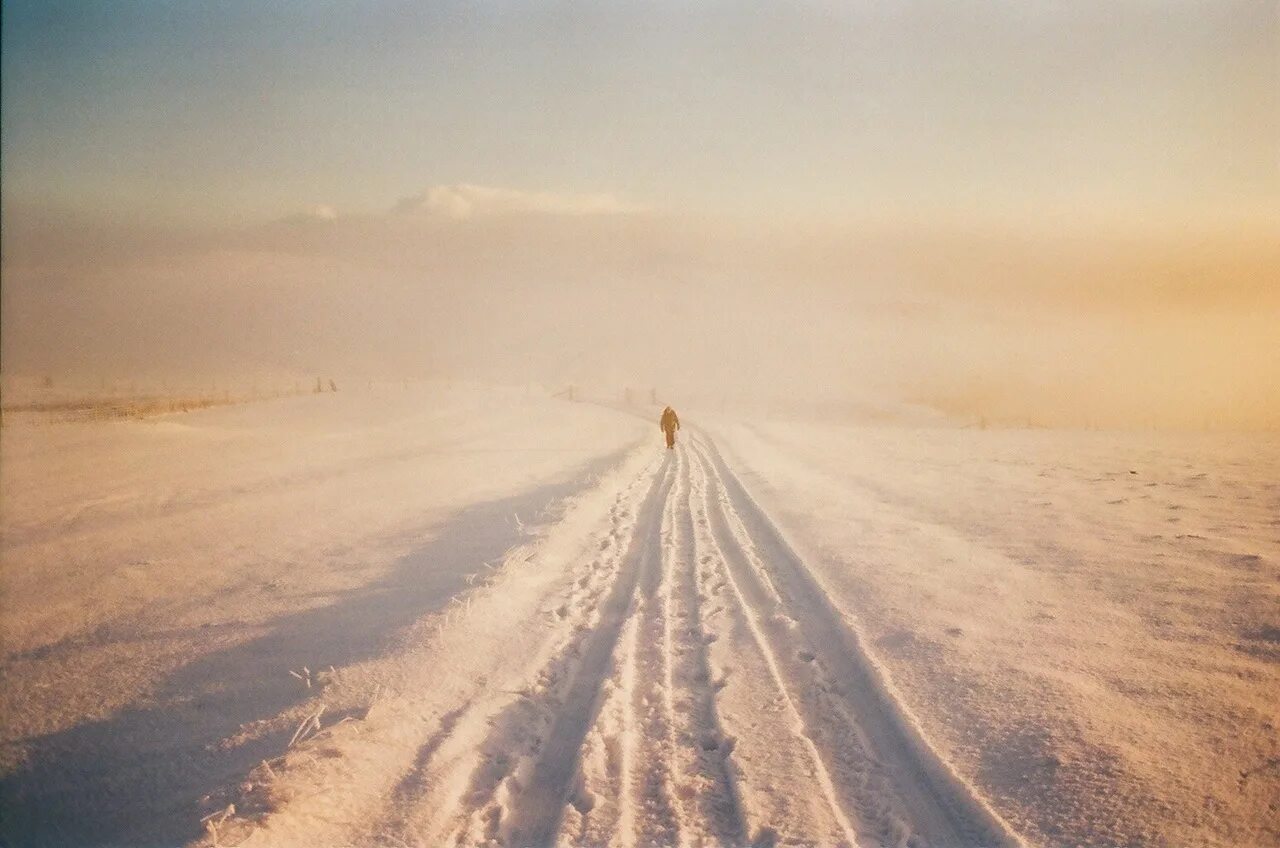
671	438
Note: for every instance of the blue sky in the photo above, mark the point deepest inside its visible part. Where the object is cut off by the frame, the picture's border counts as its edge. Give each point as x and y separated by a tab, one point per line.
243	111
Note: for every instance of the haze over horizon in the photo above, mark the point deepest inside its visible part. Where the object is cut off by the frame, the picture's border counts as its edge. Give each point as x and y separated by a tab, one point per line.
1054	212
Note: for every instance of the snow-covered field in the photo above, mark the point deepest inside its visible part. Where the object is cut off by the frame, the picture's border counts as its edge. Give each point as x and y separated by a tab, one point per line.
464	615
162	577
1086	625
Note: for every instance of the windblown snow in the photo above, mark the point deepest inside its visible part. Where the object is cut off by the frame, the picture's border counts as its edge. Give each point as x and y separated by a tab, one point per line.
463	615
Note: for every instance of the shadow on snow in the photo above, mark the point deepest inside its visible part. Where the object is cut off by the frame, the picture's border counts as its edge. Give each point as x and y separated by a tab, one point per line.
137	777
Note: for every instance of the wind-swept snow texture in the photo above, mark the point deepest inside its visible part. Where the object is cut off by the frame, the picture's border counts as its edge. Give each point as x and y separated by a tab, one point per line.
1086	625
162	579
472	617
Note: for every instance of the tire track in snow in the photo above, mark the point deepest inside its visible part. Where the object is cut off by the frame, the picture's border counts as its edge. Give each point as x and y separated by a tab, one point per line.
536	812
706	791
649	813
876	768
788	793
648	775
680	789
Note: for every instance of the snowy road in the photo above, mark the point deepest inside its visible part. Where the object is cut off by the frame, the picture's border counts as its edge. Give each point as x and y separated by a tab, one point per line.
472	616
692	684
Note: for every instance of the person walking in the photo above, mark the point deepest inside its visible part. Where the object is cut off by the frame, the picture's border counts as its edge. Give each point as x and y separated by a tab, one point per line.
670	423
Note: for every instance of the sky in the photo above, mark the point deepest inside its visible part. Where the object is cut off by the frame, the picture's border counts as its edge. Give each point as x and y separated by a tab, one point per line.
949	194
235	111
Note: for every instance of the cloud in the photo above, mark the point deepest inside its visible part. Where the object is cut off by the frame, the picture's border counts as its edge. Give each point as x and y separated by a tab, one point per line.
464	200
319	214
496	283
